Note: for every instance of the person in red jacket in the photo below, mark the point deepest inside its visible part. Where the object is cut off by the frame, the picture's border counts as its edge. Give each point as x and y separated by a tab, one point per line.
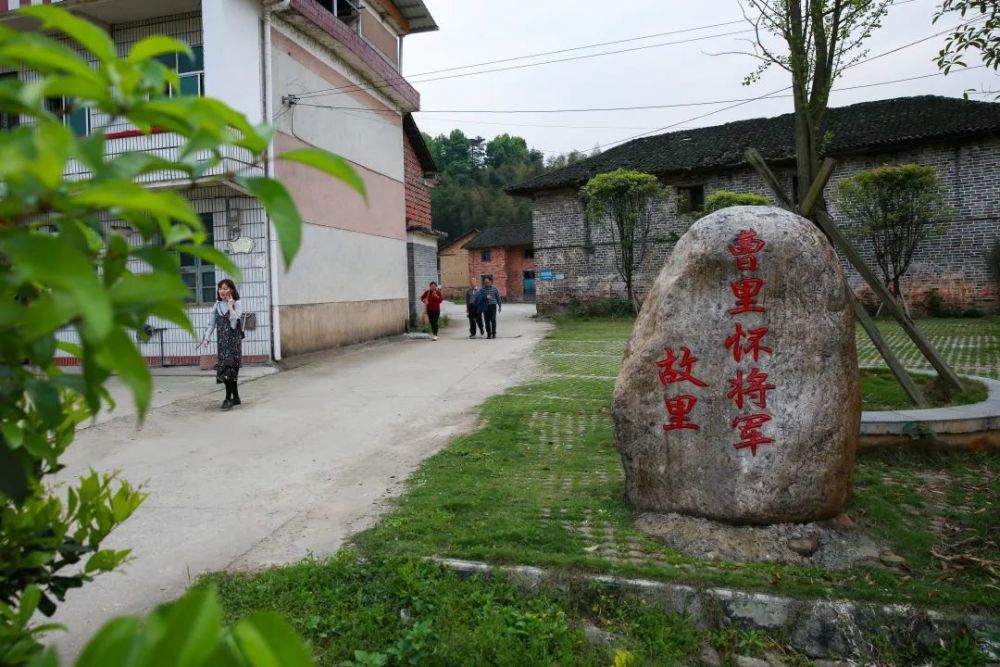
432	298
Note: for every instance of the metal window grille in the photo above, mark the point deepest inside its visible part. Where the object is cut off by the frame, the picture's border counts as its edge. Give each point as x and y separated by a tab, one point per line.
198	274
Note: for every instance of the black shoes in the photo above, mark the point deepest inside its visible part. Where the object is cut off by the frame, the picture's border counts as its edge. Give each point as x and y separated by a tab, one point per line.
226	404
236	401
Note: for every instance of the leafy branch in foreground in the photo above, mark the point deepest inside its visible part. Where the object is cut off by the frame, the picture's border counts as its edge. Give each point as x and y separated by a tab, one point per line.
64	269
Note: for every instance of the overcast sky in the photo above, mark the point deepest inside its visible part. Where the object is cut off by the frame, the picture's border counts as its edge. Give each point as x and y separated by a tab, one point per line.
476	31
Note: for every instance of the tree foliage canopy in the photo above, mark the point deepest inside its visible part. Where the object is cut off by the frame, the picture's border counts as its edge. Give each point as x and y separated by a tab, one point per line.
63	268
980	33
895	209
814	41
623	199
474	173
725	199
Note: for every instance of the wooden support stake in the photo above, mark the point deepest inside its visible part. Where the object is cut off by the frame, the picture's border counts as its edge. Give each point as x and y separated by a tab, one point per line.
838	239
816	189
909	386
756	160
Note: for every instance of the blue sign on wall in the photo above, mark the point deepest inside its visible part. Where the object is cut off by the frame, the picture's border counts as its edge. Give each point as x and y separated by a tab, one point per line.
545	274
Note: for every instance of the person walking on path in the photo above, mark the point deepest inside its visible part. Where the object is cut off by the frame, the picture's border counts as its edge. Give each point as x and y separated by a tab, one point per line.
491	304
226	322
472	309
432	298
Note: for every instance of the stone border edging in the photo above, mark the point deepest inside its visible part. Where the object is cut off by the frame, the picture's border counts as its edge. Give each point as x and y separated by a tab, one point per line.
819	628
958	420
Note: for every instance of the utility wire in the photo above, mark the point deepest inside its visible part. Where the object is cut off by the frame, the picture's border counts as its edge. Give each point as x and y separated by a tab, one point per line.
645	107
355	88
767	95
389	82
577	48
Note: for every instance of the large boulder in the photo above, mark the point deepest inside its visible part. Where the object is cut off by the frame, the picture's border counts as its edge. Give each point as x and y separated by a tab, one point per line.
739	398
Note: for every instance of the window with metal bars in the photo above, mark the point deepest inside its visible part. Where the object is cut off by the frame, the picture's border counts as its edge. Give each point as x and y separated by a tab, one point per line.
190	70
198	274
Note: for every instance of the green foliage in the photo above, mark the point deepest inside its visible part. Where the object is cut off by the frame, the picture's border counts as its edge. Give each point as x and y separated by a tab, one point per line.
979	34
894	209
63	269
473	175
725	199
623	198
189	632
959	651
881	391
600	309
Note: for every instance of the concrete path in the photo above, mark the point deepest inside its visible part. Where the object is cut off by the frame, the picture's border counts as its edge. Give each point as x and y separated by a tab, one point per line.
305	462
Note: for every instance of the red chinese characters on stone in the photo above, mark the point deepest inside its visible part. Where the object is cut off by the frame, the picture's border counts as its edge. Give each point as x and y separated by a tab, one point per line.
678	408
753	387
753	346
746	247
669	375
746	290
750	436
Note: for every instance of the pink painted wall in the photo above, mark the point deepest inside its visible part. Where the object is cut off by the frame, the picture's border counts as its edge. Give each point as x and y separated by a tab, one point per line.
325	201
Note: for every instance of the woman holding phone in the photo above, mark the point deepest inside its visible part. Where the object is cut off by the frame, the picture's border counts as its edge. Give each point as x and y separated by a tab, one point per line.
225	320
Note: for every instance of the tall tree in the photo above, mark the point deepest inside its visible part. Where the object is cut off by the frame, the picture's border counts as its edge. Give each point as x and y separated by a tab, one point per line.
820	39
622	199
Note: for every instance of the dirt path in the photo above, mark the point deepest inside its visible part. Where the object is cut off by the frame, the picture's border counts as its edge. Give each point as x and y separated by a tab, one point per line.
307	460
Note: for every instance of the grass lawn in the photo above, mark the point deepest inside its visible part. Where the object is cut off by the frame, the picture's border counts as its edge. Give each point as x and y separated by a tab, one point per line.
541	483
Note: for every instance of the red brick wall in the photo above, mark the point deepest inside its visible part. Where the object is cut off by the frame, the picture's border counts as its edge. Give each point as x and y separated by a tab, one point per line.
497	266
418	195
507	266
517	264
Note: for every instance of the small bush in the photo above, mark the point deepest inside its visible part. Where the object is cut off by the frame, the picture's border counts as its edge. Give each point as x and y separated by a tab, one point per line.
725	199
935	304
599	309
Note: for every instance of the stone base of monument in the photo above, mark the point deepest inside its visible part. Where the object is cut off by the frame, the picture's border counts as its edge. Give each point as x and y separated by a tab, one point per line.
830	544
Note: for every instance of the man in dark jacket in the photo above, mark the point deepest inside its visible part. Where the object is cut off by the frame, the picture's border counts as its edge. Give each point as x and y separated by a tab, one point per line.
472	309
489	299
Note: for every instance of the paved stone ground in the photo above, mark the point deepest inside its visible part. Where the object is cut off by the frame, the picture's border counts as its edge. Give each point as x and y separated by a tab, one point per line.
971	346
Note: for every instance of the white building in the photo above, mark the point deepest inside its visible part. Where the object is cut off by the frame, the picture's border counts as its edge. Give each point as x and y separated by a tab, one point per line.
267	59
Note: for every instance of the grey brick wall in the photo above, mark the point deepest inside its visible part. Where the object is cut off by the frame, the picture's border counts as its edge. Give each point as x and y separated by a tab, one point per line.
421	261
953	261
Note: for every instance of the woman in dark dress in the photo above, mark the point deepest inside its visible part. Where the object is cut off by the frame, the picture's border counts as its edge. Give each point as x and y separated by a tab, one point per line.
226	322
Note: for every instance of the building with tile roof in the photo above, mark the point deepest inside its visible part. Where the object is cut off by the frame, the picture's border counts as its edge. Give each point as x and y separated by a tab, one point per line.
959	138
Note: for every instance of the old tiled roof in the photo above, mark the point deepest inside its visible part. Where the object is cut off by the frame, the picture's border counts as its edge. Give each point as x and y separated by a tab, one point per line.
502	236
851	128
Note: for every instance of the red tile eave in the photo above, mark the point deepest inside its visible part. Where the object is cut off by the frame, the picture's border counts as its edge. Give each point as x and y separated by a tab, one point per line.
356	51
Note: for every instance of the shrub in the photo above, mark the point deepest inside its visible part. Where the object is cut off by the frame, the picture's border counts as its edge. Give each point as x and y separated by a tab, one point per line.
61	269
725	199
599	309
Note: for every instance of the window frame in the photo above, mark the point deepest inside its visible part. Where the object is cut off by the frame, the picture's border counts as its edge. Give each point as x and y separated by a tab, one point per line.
690	198
9	121
199	267
186	70
59	105
486	255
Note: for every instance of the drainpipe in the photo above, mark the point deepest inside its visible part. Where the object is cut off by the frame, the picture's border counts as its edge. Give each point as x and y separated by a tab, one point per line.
270	7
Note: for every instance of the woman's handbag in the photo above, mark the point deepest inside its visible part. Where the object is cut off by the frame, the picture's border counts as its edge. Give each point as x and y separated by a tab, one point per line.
248	322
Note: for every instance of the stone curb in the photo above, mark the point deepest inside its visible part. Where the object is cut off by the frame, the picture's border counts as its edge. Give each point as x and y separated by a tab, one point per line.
961	420
819	628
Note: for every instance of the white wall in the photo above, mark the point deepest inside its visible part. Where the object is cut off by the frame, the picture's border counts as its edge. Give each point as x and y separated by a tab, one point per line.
373	139
232	35
335	265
